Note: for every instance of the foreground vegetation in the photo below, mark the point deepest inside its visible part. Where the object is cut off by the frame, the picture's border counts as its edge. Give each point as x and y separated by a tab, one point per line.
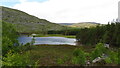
11	51
67	55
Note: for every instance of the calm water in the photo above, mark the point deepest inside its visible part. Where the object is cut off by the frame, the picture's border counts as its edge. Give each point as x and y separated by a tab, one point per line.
47	40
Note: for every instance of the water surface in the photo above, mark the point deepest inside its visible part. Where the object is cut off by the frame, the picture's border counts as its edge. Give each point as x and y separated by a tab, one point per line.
47	40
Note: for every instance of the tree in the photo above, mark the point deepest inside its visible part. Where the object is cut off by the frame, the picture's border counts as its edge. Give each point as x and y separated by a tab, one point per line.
109	34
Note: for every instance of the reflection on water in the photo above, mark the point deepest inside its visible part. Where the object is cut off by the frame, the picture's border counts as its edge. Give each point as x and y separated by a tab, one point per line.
47	40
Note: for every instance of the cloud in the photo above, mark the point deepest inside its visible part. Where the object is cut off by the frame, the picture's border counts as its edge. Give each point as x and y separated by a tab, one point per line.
22	1
71	11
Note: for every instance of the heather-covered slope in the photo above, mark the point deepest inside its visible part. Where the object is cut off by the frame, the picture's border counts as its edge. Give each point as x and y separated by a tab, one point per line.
26	23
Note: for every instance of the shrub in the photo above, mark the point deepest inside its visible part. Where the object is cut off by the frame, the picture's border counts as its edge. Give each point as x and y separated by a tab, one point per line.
26	47
9	37
36	64
60	61
27	44
108	60
76	52
66	58
114	57
75	60
99	50
119	56
15	59
79	57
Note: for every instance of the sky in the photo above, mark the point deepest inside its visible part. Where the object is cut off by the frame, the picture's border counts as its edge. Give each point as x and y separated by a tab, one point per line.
68	11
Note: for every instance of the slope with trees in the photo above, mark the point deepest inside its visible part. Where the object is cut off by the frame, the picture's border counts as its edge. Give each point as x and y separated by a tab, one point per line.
109	34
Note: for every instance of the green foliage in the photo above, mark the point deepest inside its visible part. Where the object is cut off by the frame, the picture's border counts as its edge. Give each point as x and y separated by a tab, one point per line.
75	60
83	36
99	50
63	60
65	31
27	44
79	57
101	47
87	54
9	37
0	35
114	57
109	34
15	59
33	41
26	47
77	52
110	57
10	48
66	58
108	60
60	61
36	64
119	56
7	44
0	61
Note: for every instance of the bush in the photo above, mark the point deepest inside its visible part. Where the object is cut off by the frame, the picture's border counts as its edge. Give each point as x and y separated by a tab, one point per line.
76	52
36	64
99	50
119	56
108	60
27	44
60	61
75	60
15	59
114	57
9	37
26	47
79	57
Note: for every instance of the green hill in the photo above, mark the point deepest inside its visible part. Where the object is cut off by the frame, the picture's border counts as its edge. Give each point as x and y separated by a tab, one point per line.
25	23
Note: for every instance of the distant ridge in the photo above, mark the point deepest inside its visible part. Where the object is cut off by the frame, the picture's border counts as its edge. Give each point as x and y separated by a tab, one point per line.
84	24
81	24
66	23
90	22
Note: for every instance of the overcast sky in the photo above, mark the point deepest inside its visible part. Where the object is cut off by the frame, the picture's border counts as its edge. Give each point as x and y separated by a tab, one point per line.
68	11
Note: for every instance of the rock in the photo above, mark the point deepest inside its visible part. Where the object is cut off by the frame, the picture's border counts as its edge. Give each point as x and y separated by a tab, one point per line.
106	45
96	59
88	63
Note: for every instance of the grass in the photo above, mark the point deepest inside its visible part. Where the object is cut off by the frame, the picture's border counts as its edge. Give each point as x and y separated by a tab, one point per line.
55	35
58	55
54	55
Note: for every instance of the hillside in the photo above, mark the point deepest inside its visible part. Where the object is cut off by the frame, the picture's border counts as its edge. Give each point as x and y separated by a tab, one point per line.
26	23
84	24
